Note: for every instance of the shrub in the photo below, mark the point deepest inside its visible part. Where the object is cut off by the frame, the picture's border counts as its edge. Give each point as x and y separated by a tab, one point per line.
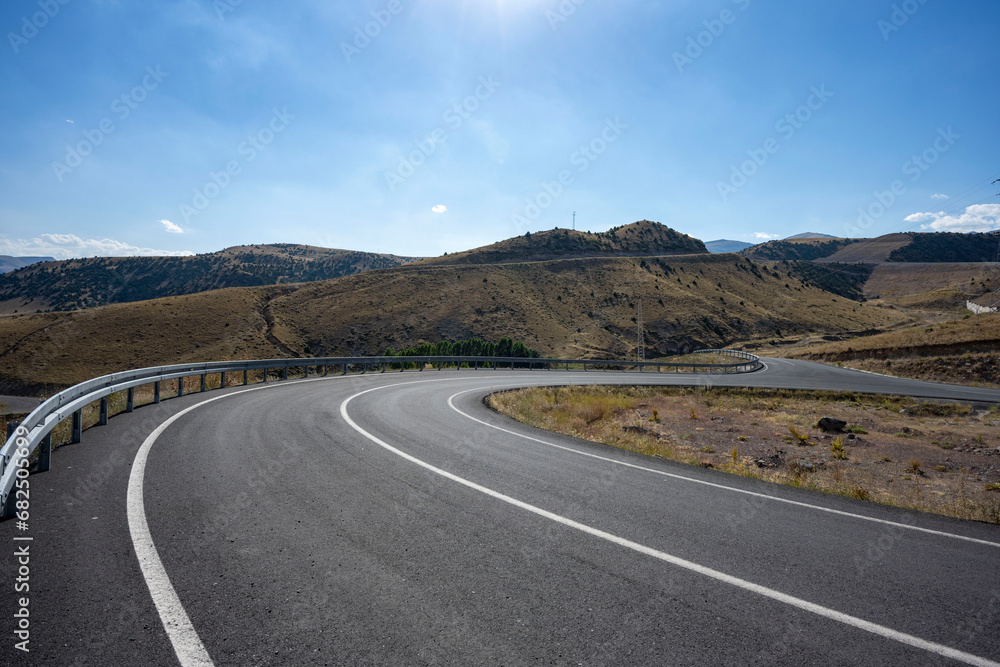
837	447
803	438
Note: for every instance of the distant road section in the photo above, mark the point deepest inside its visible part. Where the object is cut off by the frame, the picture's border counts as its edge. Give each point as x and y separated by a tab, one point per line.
9	404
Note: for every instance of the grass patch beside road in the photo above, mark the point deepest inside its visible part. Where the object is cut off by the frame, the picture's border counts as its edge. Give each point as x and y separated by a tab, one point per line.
772	435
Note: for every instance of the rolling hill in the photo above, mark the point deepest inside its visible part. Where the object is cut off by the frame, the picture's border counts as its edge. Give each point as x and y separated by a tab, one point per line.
809	248
97	281
583	307
809	235
639	238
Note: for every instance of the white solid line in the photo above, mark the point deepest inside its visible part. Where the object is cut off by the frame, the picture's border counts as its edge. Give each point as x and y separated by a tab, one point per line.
826	612
187	644
717	486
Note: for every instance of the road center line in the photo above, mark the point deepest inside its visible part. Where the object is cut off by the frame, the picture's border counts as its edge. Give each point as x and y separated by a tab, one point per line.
799	603
714	485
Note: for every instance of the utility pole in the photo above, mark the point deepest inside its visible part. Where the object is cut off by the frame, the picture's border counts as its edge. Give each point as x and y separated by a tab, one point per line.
641	347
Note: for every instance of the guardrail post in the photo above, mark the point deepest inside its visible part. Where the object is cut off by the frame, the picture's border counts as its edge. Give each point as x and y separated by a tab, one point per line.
203	383
284	374
103	421
222	380
180	387
45	453
11	427
77	435
326	369
130	400
245	378
9	507
156	392
265	376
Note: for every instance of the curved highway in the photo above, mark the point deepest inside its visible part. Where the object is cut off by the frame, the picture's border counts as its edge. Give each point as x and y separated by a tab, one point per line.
392	519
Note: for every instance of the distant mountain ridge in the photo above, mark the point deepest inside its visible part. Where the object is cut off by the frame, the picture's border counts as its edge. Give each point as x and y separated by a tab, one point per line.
726	245
809	235
639	238
74	284
9	263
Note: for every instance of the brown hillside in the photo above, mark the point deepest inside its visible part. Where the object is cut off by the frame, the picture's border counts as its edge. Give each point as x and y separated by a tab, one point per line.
50	351
870	250
937	287
579	307
565	307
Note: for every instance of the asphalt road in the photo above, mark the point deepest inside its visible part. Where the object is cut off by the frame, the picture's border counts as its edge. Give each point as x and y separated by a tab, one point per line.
9	404
392	519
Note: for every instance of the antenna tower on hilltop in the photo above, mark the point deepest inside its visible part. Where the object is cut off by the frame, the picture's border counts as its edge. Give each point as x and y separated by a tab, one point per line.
574	221
641	348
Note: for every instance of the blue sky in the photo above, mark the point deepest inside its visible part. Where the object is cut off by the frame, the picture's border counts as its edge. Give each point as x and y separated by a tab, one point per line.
431	126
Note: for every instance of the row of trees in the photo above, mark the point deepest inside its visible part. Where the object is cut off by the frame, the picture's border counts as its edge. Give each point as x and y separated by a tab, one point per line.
473	347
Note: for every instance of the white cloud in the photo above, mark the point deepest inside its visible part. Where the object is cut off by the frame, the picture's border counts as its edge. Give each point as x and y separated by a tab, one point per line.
939	196
70	122
977	218
171	227
66	246
922	217
440	208
764	237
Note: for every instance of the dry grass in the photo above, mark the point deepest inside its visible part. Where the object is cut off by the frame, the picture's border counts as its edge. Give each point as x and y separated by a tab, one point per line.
47	352
945	464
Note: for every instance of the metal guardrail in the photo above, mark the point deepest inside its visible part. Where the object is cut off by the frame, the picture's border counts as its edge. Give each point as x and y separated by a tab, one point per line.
35	432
